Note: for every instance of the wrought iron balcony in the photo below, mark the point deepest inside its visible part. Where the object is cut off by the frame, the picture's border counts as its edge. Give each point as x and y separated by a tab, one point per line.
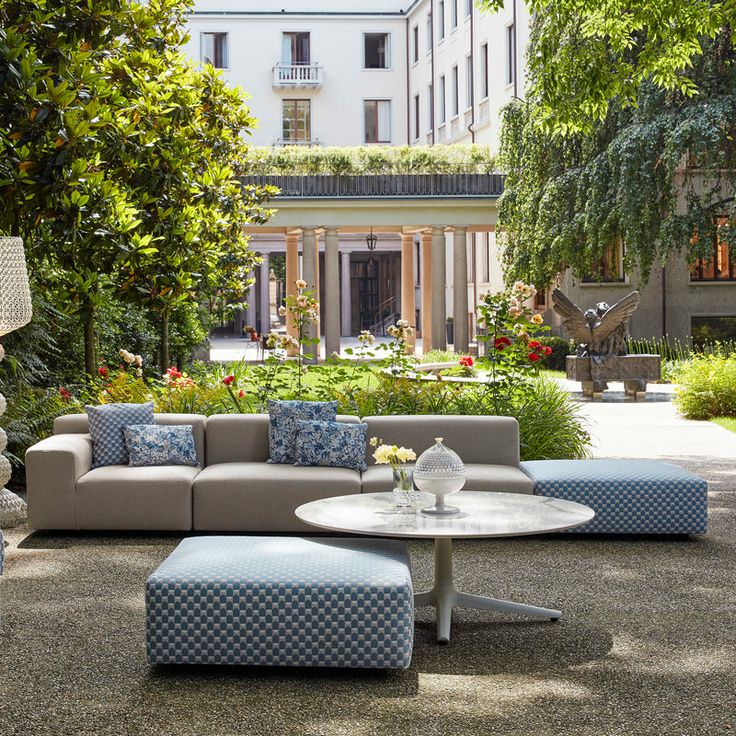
297	75
390	185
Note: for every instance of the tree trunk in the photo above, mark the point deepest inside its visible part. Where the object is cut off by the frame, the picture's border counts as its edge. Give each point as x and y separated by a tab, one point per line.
164	349
90	348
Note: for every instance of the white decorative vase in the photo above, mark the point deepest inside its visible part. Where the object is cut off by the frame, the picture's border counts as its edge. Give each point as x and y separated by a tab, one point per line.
441	472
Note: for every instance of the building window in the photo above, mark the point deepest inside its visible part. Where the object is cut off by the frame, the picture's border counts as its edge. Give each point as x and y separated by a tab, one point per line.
295	48
708	330
441	19
376	51
430	32
453	13
610	267
468	81
484	71
720	265
377	115
430	106
455	91
415	40
510	54
417	129
214	50
443	100
296	122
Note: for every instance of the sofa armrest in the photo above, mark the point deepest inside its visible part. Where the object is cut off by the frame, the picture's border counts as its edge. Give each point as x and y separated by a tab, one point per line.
53	467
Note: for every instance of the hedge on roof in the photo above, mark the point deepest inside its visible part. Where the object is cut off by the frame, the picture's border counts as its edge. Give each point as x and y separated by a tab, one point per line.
304	160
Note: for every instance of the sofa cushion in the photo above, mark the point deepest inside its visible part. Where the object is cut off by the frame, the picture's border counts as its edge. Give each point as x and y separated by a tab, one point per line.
331	444
478	478
477	439
150	445
106	424
263	496
121	497
284	418
79	424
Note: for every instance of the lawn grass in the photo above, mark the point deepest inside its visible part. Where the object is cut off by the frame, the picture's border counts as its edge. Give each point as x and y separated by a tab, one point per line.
728	423
552	374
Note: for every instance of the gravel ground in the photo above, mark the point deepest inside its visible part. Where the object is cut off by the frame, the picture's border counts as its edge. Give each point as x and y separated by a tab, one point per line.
647	645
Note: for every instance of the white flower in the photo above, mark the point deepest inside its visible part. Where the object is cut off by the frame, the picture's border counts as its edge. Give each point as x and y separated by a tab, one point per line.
366	337
403	323
301	301
138	360
282	311
127	356
301	284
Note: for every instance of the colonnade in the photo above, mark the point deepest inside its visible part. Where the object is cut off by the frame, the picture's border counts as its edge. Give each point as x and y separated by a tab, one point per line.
336	318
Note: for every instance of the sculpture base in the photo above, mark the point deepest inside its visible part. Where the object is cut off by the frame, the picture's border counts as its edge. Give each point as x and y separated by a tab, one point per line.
13	509
634	370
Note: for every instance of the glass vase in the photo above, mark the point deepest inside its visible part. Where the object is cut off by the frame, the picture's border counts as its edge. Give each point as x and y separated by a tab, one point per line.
404	493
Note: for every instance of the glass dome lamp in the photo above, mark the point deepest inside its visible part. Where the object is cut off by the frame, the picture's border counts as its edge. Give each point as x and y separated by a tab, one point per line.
440	472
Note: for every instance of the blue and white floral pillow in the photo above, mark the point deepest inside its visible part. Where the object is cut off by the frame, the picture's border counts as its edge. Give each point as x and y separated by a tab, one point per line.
106	424
283	425
151	444
331	444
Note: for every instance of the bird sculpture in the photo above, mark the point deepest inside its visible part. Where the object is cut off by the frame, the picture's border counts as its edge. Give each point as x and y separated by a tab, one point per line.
600	331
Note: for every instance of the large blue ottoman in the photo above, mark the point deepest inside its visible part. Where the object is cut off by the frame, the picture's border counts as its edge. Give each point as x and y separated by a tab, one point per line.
628	496
284	601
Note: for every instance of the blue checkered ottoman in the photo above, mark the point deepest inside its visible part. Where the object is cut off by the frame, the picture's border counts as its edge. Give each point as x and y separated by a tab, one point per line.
284	601
628	496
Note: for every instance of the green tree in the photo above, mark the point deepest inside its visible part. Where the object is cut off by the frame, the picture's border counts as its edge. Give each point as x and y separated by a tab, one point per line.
652	176
590	53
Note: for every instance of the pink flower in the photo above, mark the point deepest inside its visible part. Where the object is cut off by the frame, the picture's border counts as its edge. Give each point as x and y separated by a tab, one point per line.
173	373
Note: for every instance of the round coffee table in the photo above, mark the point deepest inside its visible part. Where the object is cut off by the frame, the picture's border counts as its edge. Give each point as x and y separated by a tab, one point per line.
483	514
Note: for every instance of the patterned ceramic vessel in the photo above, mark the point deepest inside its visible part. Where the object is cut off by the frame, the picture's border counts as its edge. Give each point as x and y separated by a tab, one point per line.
441	472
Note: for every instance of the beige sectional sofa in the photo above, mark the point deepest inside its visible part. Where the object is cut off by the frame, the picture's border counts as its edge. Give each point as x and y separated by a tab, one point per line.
236	489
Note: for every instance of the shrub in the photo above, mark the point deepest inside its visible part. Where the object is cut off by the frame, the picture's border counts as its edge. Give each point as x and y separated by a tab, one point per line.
561	348
706	386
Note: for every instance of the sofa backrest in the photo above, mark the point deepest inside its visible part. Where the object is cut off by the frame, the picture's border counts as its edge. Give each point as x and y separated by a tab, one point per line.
242	438
476	439
78	424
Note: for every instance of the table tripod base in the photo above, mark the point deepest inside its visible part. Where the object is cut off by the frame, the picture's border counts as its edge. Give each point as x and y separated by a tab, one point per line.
444	596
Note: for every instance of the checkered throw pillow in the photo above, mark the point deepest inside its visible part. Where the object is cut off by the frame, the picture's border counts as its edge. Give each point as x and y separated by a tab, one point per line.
106	424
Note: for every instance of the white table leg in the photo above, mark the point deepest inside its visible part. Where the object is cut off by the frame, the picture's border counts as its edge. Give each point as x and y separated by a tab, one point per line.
444	596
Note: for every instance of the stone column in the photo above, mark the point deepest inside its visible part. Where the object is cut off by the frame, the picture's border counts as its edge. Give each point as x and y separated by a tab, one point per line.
439	307
407	286
292	274
331	307
426	291
265	300
250	298
309	274
460	288
346	304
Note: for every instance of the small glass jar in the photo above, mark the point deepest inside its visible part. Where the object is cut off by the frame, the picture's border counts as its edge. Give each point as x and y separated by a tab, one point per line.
404	493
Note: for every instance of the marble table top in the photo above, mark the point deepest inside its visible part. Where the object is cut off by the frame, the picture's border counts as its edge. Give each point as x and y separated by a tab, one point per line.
482	514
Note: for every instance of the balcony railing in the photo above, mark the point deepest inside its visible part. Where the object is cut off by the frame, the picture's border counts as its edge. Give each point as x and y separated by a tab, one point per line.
303	142
390	185
297	75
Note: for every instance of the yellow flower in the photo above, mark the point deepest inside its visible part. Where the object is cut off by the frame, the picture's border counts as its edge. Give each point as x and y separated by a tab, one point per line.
537	319
301	284
406	455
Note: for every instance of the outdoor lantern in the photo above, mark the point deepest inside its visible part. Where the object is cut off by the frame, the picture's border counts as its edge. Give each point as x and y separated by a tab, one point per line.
371	240
15	311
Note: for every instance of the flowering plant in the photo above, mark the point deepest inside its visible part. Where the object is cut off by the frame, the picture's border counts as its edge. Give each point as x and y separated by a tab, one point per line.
304	310
467	363
394	456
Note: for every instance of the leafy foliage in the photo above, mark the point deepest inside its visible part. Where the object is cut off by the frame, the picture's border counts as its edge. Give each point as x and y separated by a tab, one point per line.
706	386
649	176
589	53
439	159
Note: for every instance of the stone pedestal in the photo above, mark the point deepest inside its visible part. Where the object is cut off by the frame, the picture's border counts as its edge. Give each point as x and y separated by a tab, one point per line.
634	370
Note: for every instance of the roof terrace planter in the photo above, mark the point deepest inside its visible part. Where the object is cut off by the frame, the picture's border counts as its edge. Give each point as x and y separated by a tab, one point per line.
389	185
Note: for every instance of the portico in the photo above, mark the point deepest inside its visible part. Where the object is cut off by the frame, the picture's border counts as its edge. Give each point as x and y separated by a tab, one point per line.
431	259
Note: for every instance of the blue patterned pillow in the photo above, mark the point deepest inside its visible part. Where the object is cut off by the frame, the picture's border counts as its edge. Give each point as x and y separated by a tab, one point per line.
106	425
331	444
282	428
151	444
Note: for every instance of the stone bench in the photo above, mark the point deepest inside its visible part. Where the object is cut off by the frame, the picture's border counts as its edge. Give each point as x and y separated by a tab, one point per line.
628	496
282	601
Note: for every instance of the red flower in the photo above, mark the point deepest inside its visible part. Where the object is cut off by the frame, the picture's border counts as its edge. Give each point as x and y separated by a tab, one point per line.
535	344
241	393
228	380
102	370
502	343
547	350
533	357
66	395
173	373
466	361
